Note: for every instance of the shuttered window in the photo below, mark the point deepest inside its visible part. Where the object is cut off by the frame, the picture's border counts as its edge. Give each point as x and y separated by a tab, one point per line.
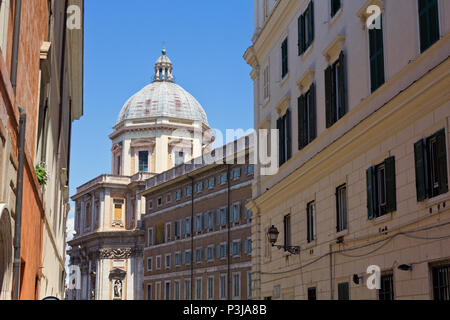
341	208
376	56
387	287
306	29
284	58
381	189
285	142
335	91
431	166
428	23
307	123
441	282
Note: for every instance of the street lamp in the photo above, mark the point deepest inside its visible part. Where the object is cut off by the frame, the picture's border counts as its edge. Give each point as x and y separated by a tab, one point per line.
273	233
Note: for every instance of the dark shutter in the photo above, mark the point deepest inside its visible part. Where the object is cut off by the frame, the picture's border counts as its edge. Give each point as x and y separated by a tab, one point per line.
328	96
391	190
312	114
342	86
303	33
419	157
280	141
301	122
300	35
370	193
311	22
442	162
343	291
308	222
288	135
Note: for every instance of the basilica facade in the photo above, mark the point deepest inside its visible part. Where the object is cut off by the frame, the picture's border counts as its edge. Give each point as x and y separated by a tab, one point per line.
160	127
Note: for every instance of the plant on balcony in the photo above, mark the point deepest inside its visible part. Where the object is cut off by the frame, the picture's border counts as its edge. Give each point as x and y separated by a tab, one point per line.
42	174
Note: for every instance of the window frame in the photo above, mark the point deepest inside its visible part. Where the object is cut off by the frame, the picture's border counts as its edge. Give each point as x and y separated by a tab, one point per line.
284	58
341	210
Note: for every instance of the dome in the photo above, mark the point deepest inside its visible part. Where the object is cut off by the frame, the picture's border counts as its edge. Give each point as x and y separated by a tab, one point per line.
163	98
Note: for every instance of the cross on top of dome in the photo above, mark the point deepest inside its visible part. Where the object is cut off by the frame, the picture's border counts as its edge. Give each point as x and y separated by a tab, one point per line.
163	68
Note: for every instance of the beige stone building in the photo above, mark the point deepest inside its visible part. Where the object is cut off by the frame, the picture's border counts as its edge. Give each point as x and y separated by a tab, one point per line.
364	117
159	127
197	240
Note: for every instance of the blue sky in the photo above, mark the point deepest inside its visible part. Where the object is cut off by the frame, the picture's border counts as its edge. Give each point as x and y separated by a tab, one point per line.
205	39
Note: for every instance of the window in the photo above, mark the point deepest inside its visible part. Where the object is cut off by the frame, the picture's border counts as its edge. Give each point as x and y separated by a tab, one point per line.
341	208
235	248
387	287
150	205
306	29
118	165
158	263
312	294
177	229
247	213
222	179
428	23
186	228
187	257
249	285
311	221
208	220
223	286
376	56
287	231
431	166
343	291
178	195
222	217
158	291
211	183
150	264
307	128
284	58
210	288
143	161
198	255
167	291
159	202
236	286
441	282
249	169
335	91
210	253
236	173
149	292
118	210
188	191
200	187
179	158
266	82
285	145
168	198
176	259
168	257
235	213
176	290
168	233
198	223
198	289
187	289
381	189
221	251
248	246
335	6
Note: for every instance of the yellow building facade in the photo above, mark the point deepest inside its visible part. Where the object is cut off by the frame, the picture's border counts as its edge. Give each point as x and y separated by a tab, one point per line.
363	114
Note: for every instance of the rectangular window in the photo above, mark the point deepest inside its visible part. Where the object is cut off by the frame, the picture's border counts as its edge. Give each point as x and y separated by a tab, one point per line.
312	294
210	253
248	246
198	255
176	259
143	161
284	58
285	142
223	286
287	231
431	166
307	123
149	264
211	183
249	285
376	56
306	29
236	286
118	165
118	204
167	291
381	189
198	289
428	23
168	258
335	91
158	291
177	228
168	233
210	288
441	282
343	291
158	263
341	208
187	289
149	292
335	6
159	202
387	287
311	221
176	290
179	158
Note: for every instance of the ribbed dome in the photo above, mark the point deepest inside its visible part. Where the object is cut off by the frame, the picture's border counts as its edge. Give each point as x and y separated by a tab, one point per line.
163	99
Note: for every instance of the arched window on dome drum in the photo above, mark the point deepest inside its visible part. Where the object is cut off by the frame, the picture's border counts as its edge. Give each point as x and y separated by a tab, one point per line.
165	74
160	74
143	161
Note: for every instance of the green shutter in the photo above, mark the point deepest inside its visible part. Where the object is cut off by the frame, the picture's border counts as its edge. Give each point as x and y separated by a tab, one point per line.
312	114
419	157
301	122
328	96
342	86
370	192
391	190
442	162
289	135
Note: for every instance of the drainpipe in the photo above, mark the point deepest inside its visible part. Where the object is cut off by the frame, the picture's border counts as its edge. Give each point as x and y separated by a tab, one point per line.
15	46
18	218
228	233
192	237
